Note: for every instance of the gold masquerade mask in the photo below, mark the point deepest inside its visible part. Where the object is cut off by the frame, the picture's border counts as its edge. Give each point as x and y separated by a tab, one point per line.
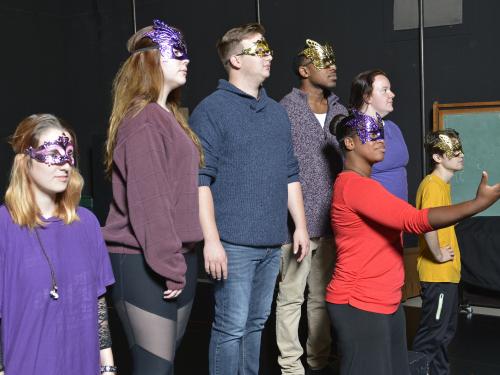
451	147
259	48
322	57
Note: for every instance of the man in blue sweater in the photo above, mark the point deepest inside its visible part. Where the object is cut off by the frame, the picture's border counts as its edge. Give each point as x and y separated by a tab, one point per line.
249	179
309	108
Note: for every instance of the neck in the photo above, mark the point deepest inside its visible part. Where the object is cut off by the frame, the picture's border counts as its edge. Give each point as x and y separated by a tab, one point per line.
362	170
46	203
316	96
245	84
444	174
368	110
162	98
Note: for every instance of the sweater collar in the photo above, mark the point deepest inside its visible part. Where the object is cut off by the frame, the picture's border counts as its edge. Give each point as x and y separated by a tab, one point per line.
255	104
302	95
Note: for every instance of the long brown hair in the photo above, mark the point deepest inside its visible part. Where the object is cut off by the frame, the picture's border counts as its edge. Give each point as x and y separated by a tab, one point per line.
19	197
138	83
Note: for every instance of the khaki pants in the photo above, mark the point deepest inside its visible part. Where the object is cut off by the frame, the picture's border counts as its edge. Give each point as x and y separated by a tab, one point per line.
315	271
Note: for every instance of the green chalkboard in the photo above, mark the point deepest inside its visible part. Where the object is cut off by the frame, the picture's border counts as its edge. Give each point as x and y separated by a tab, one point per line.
479	128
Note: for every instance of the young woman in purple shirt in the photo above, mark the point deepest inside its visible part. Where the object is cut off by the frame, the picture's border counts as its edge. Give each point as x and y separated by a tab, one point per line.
54	267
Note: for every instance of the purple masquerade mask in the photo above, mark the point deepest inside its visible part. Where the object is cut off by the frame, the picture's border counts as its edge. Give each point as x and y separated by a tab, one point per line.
56	152
169	40
367	127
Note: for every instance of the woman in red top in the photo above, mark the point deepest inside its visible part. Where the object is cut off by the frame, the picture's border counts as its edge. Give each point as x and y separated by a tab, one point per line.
363	297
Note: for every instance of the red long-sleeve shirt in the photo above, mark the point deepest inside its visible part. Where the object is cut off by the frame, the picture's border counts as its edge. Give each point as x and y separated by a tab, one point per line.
367	222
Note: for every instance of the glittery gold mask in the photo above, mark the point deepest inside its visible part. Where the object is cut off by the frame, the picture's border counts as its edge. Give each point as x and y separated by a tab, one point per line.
259	48
322	57
451	147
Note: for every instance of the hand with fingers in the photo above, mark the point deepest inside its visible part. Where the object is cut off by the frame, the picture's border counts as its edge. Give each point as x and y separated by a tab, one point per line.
447	254
171	294
487	194
215	260
300	243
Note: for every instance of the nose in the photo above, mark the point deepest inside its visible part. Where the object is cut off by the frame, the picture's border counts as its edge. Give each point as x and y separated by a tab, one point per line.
391	94
186	61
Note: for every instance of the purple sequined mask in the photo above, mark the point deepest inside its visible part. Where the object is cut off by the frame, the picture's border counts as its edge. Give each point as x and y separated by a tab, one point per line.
367	127
169	40
56	152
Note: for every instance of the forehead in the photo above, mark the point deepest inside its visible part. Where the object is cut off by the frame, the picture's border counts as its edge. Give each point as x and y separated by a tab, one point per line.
381	81
249	40
50	135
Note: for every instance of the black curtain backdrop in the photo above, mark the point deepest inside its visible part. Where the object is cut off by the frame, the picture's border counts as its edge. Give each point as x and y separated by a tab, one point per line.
61	57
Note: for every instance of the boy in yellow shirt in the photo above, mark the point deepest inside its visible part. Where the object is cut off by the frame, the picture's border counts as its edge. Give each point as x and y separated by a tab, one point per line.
438	263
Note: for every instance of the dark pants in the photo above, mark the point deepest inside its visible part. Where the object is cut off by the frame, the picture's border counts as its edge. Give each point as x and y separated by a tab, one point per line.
370	343
438	324
154	326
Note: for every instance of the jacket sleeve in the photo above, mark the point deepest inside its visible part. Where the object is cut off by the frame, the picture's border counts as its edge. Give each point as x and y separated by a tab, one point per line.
371	200
150	204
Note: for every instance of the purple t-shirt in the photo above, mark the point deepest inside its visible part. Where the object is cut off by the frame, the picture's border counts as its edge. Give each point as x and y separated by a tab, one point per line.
41	335
391	172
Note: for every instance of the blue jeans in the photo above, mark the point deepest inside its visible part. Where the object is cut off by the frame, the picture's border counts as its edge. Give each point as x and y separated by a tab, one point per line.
242	306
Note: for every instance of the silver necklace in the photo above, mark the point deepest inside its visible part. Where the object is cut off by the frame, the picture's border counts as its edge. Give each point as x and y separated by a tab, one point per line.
53	292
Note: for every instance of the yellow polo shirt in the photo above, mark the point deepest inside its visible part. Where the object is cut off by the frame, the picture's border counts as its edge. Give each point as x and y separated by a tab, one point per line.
434	192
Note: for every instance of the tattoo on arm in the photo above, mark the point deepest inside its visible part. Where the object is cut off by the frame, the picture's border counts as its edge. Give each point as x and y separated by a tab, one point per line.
1	348
103	325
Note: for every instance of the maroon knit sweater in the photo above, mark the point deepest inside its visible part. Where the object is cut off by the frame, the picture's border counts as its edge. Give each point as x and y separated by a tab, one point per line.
155	193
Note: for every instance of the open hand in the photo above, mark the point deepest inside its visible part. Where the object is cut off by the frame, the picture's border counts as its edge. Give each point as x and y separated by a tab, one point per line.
487	194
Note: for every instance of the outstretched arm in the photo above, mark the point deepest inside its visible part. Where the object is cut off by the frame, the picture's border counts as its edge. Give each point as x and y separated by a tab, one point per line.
440	217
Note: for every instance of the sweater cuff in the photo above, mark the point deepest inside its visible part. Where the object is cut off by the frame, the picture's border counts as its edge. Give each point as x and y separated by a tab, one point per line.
204	180
293	178
173	285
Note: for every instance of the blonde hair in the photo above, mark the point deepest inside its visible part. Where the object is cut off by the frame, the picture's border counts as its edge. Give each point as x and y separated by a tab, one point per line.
138	83
19	197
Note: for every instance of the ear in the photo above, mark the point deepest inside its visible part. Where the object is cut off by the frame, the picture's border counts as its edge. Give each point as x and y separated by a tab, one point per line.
367	99
349	143
437	158
235	62
303	71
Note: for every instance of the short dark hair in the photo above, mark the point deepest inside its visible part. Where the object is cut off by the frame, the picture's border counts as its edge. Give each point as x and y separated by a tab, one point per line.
362	87
341	131
231	39
432	140
298	61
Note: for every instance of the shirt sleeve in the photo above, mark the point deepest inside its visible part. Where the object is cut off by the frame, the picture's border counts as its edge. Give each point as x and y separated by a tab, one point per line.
369	199
150	204
210	137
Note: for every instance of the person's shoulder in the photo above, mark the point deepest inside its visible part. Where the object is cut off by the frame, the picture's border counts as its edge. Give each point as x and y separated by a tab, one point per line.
391	124
4	214
87	217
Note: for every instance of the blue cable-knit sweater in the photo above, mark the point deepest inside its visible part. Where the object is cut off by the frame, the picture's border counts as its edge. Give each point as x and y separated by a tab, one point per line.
249	164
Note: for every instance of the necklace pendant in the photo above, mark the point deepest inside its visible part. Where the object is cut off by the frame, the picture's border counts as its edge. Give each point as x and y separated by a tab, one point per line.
53	293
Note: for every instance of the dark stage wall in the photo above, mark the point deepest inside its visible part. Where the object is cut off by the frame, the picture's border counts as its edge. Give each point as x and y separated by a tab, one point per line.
60	57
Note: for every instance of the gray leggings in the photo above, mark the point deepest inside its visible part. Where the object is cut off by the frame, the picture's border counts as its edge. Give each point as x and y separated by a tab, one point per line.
154	326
